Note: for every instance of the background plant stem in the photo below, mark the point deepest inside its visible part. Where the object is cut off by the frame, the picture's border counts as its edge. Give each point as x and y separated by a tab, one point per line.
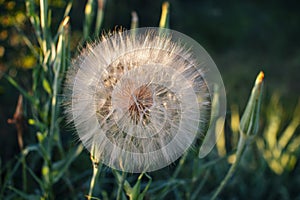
96	171
240	150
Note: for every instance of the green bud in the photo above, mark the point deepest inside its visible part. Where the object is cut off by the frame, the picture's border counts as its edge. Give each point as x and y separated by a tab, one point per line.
250	119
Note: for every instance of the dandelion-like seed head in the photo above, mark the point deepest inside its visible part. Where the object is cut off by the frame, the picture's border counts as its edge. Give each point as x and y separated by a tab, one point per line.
140	98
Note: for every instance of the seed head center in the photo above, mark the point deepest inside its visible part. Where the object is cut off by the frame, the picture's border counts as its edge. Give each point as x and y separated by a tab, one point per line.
140	102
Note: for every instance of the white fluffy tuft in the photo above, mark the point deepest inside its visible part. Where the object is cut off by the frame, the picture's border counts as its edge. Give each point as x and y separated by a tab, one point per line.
138	98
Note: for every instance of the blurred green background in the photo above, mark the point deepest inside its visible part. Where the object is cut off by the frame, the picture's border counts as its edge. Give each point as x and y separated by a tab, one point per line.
242	37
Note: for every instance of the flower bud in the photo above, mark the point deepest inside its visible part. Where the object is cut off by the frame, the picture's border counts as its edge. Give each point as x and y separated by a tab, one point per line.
250	119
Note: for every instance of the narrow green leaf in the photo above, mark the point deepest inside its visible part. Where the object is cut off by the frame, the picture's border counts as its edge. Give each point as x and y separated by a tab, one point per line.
24	195
21	90
9	176
37	179
27	42
59	168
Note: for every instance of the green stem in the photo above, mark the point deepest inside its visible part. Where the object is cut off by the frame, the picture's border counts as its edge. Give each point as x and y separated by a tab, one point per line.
24	172
240	150
93	180
58	64
120	187
200	185
99	18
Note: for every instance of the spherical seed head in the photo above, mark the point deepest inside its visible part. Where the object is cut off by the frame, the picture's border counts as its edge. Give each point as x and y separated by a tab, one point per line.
140	98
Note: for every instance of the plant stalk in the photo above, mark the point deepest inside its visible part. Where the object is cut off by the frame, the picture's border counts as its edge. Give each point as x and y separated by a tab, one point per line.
93	180
240	150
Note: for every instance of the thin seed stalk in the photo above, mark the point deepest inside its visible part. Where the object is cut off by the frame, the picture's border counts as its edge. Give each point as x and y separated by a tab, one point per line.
249	126
240	150
93	179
